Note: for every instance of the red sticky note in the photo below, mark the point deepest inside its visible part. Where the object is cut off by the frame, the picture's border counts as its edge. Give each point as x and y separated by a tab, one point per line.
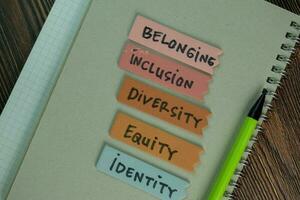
164	71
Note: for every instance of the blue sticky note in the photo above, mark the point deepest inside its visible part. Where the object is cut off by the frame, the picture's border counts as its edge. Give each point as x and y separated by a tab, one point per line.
141	174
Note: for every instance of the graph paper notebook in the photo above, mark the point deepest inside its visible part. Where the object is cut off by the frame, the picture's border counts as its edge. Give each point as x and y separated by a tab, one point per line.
26	103
67	156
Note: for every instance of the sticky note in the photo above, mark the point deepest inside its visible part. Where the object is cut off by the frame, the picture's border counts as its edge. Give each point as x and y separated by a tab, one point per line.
175	44
164	71
141	175
156	142
167	107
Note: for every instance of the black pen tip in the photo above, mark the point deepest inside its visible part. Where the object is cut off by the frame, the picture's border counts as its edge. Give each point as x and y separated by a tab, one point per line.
265	91
257	108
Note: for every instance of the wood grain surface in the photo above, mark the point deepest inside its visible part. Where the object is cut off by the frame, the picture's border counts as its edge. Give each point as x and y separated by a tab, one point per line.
274	167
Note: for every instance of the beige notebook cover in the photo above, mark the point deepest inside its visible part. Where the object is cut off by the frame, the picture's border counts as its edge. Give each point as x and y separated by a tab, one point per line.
61	160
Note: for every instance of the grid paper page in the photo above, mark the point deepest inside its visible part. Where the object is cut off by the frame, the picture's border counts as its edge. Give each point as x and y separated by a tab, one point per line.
32	90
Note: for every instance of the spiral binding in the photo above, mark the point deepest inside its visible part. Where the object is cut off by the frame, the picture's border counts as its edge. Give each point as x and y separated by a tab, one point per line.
273	80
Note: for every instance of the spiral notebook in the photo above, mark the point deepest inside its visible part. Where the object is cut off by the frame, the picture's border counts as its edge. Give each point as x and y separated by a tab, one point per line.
67	156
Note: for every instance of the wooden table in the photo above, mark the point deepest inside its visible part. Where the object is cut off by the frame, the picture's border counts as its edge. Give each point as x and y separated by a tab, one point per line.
274	166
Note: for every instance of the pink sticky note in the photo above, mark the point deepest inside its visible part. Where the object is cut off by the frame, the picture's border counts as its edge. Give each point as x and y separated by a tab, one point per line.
174	44
164	71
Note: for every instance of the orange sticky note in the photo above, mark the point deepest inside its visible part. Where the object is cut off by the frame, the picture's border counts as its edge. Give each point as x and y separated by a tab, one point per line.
162	105
175	44
155	142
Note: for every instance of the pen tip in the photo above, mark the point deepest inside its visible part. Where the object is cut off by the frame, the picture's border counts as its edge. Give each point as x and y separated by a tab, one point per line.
257	108
265	91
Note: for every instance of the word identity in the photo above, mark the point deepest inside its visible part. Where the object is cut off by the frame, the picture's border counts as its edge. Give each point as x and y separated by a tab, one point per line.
141	175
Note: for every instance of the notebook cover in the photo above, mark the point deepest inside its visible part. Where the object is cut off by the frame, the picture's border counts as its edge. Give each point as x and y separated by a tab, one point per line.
60	163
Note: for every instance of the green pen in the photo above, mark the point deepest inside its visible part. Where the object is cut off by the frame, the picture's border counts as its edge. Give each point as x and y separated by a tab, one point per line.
237	150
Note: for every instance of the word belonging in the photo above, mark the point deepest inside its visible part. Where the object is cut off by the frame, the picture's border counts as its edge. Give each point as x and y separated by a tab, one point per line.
174	44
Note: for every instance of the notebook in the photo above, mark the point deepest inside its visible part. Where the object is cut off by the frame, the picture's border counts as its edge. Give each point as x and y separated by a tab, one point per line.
35	83
73	141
